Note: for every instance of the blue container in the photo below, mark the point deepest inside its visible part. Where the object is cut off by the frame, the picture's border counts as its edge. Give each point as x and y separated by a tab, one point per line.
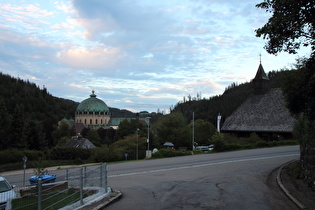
46	178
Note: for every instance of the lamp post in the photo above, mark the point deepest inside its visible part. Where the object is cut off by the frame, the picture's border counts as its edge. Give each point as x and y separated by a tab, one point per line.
24	166
193	131
148	139
137	144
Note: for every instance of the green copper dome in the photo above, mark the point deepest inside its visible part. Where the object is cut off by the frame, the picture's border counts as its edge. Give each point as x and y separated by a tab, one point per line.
92	104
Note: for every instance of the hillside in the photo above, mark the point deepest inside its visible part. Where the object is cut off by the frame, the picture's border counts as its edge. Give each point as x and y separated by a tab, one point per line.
225	104
29	114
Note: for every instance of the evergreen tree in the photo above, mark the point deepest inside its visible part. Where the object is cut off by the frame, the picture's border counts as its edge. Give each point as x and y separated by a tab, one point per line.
35	136
18	128
5	123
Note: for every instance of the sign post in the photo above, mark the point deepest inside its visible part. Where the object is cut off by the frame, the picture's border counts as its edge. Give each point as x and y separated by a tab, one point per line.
24	166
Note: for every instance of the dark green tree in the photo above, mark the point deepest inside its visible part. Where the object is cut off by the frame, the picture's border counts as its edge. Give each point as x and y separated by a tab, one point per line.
92	135
129	127
290	26
299	89
5	122
35	136
18	128
204	130
107	136
62	132
173	128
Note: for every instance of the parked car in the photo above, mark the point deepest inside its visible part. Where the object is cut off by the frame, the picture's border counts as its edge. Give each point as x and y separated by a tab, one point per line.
46	178
205	148
6	192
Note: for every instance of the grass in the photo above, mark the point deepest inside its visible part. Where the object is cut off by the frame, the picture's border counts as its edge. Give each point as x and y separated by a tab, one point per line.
51	201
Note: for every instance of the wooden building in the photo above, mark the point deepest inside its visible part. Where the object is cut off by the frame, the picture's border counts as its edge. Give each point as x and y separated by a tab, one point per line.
263	113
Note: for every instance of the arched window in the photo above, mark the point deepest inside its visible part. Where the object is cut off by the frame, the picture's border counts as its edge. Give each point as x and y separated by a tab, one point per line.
101	121
90	121
96	122
85	121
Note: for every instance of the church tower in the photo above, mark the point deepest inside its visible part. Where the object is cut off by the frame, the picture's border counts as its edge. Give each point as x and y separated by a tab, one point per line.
260	81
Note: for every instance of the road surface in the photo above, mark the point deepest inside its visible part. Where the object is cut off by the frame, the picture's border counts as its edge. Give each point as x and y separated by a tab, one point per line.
228	180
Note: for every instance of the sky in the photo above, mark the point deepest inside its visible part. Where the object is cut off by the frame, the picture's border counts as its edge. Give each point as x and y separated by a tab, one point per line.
142	55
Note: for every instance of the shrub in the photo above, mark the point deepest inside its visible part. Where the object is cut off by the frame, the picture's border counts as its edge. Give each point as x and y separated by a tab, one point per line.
15	155
162	153
69	153
219	143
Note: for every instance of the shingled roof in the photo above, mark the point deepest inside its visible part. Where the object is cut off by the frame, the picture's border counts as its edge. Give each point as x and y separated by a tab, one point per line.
261	113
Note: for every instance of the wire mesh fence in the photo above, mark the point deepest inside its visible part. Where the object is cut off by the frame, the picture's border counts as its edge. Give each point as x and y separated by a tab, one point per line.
66	187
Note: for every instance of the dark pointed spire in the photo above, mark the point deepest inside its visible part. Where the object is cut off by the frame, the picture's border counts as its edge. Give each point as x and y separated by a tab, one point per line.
261	73
260	80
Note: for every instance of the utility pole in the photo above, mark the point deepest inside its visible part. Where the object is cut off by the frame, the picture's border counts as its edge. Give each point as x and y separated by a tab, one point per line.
193	132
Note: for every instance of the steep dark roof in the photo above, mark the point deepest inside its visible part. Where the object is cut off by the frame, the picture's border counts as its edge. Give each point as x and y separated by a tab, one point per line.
261	113
261	75
80	142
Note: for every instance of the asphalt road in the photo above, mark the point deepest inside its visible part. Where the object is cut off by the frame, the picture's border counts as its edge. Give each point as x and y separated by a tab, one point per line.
229	180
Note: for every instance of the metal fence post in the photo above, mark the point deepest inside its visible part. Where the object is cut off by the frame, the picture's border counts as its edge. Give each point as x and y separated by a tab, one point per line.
39	201
101	175
81	185
105	177
84	175
67	175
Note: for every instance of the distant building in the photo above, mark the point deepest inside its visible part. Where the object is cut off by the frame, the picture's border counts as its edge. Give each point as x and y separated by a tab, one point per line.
264	112
80	142
93	113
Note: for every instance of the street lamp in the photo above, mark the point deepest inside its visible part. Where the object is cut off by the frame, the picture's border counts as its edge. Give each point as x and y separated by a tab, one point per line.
137	144
148	139
193	132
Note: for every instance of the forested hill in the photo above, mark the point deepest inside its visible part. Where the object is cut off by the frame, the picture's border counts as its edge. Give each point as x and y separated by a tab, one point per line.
36	102
225	104
29	114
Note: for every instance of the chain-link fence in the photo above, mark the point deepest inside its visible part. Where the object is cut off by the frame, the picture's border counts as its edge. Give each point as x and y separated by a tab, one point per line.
69	189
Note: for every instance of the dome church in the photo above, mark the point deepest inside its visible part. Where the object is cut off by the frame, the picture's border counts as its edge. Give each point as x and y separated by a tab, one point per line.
92	112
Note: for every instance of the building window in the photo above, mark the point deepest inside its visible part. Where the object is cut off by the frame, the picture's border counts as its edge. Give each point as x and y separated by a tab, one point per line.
96	122
90	121
101	121
85	121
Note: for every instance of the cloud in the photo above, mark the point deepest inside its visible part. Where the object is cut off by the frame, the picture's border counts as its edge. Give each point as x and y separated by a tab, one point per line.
140	55
95	57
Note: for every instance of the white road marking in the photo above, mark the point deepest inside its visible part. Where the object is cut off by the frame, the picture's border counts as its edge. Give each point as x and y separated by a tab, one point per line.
201	165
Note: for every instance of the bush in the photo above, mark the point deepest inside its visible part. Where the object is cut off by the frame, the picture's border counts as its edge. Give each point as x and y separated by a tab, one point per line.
219	142
162	153
105	154
15	155
69	153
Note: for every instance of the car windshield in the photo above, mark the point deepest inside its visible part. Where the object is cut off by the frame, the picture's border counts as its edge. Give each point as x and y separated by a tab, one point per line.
4	186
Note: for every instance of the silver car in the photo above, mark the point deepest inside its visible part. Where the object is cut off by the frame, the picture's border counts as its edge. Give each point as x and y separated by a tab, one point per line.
6	192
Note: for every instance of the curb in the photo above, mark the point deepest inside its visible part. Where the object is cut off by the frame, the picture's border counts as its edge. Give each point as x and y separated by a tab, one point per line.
115	196
285	190
101	202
